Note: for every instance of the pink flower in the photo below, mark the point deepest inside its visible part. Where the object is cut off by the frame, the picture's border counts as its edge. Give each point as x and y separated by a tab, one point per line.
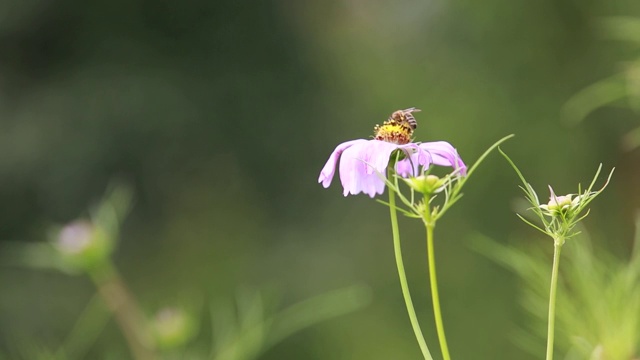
363	162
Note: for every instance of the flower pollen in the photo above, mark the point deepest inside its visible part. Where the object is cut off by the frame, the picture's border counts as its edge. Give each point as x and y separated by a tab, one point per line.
393	132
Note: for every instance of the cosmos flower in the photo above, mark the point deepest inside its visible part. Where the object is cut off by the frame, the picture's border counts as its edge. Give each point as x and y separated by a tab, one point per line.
363	163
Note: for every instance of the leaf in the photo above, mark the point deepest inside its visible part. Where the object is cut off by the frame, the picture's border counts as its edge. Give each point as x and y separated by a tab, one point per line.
587	100
623	28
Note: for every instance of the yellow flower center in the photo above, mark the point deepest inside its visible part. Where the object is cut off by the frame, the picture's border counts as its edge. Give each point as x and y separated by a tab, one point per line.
393	132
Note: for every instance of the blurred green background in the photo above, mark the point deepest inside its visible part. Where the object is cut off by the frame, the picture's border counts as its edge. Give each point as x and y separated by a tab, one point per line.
222	113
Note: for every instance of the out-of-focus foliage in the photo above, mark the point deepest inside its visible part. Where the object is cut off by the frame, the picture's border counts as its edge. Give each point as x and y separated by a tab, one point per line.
80	248
623	87
254	332
244	336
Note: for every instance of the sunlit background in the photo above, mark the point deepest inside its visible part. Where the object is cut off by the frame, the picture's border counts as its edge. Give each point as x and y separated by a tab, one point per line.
220	115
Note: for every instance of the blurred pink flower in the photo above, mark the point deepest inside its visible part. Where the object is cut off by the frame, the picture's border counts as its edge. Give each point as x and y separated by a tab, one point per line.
363	162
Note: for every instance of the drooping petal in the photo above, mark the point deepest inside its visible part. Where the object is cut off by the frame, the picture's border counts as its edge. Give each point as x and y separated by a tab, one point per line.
363	164
417	158
444	154
329	169
406	168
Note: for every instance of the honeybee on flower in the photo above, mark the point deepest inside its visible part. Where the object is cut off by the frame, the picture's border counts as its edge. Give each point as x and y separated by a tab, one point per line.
363	163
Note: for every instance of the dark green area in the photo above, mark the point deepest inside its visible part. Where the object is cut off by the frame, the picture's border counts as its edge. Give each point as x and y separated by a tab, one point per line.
221	115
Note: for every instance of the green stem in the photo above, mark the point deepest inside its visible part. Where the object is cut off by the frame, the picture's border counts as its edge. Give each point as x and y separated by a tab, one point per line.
434	291
403	278
127	314
552	298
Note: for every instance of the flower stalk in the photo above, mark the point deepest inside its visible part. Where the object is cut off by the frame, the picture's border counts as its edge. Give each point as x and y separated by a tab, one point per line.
435	297
430	186
557	247
125	309
403	278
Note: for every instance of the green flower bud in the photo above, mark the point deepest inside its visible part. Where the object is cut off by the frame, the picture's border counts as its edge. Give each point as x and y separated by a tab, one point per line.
172	328
560	204
427	185
82	245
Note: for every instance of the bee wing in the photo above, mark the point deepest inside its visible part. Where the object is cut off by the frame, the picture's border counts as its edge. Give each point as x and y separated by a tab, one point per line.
410	110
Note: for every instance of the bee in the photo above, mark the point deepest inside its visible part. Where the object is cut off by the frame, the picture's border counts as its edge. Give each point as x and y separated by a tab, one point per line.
398	129
405	117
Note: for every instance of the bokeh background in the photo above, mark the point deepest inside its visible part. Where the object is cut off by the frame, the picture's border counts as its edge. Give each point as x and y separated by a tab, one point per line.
220	114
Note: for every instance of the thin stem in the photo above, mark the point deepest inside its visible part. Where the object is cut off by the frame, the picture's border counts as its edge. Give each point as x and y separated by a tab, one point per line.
127	314
403	278
434	291
552	297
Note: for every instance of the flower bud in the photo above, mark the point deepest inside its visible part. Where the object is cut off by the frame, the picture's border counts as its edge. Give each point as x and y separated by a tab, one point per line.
82	245
172	328
560	204
427	185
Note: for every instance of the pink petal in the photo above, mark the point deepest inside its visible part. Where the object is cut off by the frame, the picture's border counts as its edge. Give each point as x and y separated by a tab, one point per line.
443	154
363	164
329	169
